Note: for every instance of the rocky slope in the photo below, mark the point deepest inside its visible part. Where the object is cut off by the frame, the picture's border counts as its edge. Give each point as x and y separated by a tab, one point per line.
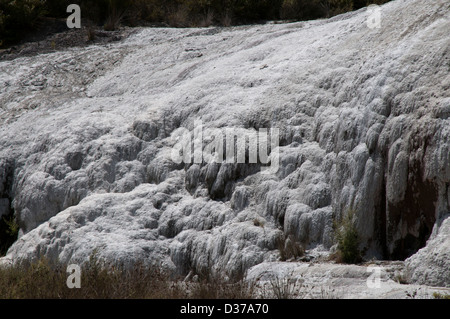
87	134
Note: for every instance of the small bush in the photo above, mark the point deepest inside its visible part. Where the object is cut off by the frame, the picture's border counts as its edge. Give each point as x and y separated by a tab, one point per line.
9	230
208	19
437	295
258	222
401	279
347	239
90	32
284	288
289	248
179	17
227	19
18	17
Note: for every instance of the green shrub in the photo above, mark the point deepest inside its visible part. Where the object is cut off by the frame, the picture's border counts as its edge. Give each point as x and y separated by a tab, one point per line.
347	239
18	17
9	230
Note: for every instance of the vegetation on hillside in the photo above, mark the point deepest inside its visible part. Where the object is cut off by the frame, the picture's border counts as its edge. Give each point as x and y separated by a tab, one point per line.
347	239
19	17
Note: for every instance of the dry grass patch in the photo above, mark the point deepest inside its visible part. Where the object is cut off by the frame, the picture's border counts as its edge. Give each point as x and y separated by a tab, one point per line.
46	280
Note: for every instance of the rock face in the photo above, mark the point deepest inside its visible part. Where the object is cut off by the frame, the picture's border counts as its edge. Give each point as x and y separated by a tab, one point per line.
431	265
87	137
332	281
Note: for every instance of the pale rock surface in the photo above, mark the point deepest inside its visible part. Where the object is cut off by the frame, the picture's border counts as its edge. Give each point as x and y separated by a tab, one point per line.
431	264
378	280
86	137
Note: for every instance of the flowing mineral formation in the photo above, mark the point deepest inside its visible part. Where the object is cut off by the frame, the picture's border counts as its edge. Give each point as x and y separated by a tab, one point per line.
87	136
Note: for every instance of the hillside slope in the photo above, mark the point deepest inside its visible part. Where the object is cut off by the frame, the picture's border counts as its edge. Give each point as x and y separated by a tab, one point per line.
86	138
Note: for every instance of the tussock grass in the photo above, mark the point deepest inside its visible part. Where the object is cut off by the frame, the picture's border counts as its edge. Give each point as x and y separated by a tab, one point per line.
43	279
289	248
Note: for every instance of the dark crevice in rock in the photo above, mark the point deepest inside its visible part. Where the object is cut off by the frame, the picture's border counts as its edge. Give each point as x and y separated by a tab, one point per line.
414	217
402	228
417	212
7	215
75	160
145	130
380	222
